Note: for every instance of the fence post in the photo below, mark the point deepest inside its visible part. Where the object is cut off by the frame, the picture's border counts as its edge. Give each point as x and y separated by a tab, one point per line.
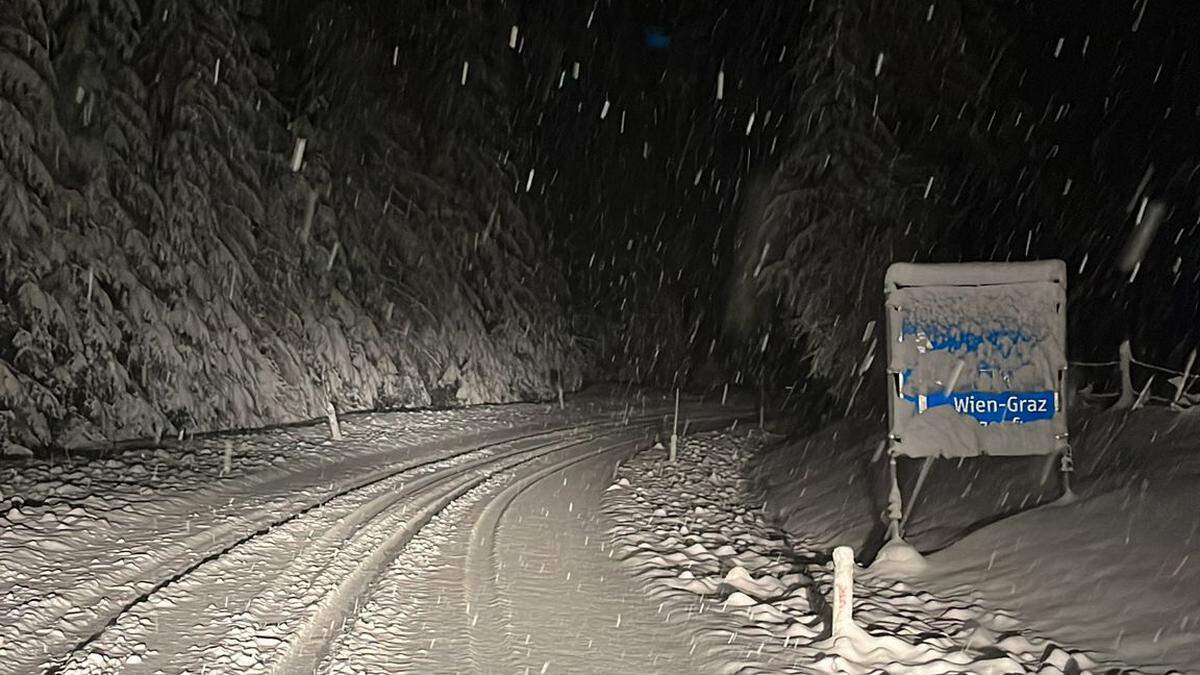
1187	372
1126	399
1144	395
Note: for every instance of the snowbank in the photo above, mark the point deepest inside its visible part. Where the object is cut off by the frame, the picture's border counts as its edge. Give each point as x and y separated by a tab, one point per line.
759	599
1118	571
1112	574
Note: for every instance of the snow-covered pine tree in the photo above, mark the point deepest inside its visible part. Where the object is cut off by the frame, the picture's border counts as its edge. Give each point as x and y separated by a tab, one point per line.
836	205
153	279
428	198
41	337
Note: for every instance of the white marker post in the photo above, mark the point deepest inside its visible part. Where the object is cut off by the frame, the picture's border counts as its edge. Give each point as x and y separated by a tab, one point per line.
335	429
298	153
675	428
1126	358
843	592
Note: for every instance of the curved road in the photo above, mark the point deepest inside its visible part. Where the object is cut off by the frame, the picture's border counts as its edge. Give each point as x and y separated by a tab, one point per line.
489	558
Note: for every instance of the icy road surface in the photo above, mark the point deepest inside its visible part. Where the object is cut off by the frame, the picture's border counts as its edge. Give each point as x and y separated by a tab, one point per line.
457	551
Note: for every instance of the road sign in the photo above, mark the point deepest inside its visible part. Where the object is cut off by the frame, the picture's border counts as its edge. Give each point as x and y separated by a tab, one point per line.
977	358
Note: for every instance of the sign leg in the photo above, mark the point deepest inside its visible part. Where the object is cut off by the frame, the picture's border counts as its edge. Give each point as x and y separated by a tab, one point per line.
912	498
1066	468
895	505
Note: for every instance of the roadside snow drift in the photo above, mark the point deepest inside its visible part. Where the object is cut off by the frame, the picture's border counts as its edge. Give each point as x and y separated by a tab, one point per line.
1113	574
760	599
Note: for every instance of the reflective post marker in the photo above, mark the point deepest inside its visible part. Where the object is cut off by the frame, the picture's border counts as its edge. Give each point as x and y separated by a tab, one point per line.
675	428
843	592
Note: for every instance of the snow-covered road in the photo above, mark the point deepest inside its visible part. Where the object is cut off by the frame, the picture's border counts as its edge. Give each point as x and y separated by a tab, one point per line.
518	579
514	539
476	552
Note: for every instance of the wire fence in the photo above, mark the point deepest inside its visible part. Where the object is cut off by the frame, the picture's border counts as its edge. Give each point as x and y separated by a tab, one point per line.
1177	389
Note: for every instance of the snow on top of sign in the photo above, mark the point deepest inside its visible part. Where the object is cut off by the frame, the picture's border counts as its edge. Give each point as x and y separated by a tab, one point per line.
974	274
1008	338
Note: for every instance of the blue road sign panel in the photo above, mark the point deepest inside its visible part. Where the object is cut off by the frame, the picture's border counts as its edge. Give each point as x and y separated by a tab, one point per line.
1009	407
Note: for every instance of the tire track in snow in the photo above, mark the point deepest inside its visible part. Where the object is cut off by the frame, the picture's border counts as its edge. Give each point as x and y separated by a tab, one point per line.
411	607
219	540
310	648
490	639
332	539
493	647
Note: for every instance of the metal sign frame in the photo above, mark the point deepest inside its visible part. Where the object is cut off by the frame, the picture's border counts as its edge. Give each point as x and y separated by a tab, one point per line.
976	364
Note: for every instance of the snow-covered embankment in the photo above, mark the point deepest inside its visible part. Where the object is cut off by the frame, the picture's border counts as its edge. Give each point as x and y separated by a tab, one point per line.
759	602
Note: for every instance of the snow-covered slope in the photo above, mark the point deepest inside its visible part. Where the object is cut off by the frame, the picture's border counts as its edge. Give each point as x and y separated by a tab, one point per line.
1117	571
1111	574
759	601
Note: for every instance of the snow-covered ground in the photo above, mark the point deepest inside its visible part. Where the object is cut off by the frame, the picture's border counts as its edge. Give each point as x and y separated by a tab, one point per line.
1118	571
294	558
757	600
513	539
1112	575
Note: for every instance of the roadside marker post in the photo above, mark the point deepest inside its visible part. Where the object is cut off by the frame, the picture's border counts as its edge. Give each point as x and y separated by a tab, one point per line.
675	428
